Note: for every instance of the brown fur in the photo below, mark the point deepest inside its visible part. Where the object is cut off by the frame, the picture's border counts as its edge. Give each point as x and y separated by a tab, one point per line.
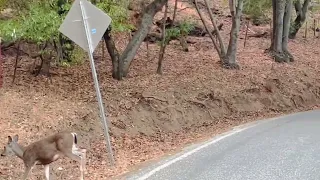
46	151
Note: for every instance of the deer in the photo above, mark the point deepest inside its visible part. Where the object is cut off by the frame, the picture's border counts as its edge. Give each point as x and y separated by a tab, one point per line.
47	150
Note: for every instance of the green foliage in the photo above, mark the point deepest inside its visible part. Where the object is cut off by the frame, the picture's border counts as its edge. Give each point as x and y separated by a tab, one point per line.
118	11
183	29
78	56
3	4
257	9
37	21
10	30
39	25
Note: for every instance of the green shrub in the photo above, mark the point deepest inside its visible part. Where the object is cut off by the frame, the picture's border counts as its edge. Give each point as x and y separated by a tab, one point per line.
257	10
183	29
118	11
38	22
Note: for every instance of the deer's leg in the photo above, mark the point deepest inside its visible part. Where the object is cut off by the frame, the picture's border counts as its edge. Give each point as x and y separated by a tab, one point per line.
26	172
75	158
84	159
72	153
47	171
82	154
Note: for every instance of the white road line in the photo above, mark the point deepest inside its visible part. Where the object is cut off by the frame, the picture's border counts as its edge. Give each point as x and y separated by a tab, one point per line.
235	130
147	175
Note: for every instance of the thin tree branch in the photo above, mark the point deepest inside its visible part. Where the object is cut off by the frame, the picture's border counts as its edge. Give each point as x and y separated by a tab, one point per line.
207	28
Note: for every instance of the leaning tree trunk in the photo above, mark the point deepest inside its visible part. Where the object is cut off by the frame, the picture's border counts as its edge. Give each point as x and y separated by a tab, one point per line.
117	63
281	15
301	12
227	57
144	27
230	59
121	63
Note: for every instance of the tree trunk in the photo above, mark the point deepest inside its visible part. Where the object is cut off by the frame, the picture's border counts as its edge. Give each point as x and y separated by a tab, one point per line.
280	7
174	12
230	60
66	44
281	15
301	17
286	28
274	17
117	63
164	42
145	26
227	57
45	61
215	43
218	35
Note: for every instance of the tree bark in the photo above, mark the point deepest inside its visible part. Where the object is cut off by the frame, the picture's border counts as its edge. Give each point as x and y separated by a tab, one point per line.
117	63
174	12
301	12
216	46
66	44
279	45
227	57
230	60
280	7
286	28
163	43
222	47
145	26
274	17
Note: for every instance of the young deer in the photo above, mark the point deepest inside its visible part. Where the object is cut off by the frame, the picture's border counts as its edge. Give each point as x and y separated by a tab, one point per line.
46	151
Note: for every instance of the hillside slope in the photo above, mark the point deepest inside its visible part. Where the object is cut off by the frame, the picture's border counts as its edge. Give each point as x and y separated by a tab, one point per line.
150	114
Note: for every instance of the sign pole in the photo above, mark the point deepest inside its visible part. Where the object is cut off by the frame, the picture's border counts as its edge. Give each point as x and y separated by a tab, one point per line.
96	83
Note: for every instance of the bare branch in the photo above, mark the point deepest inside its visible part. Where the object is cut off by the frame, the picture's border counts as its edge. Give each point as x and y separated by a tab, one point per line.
222	47
207	28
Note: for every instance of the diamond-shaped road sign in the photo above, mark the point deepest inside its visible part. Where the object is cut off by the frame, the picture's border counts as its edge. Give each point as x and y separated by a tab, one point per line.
85	25
72	26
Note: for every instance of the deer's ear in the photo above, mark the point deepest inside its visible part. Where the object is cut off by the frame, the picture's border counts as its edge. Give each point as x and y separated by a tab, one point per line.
9	139
15	138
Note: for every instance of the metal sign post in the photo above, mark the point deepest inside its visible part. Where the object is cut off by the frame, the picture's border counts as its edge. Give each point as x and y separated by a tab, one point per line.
87	32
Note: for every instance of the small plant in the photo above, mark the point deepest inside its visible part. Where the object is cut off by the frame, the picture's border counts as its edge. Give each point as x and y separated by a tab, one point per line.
257	10
78	56
182	30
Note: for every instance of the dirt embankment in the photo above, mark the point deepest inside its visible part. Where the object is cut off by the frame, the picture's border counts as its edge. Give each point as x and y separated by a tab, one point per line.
151	115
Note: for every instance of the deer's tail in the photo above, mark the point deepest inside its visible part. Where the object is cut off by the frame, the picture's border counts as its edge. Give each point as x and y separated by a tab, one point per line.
75	138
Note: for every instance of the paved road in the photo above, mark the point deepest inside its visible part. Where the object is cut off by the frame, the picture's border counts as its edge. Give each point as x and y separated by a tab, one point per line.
285	148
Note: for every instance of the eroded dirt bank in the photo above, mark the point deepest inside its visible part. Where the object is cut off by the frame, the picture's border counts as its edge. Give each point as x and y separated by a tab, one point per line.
152	115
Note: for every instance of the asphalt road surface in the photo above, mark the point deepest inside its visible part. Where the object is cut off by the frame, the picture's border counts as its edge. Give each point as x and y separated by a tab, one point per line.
284	148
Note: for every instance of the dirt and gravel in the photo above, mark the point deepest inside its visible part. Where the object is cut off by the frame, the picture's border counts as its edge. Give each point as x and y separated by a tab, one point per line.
152	115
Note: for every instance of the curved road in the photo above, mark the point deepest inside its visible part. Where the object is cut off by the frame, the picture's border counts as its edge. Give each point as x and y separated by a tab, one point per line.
284	148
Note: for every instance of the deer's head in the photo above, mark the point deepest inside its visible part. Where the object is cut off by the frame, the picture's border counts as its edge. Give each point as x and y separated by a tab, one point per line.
12	144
